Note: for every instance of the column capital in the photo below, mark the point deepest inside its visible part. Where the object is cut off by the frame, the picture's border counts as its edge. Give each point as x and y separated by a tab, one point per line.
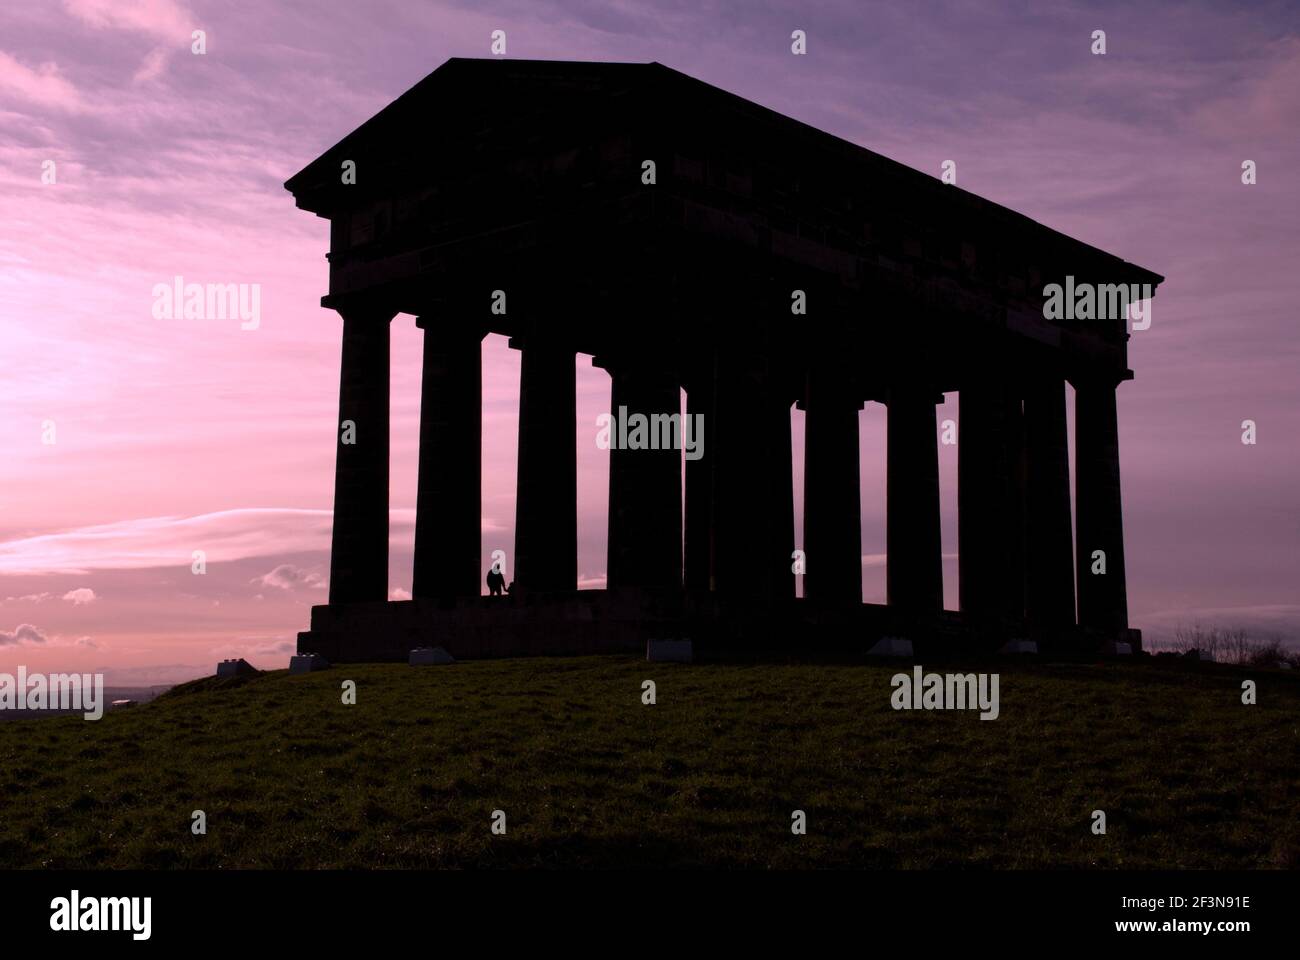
547	343
360	308
452	326
1102	377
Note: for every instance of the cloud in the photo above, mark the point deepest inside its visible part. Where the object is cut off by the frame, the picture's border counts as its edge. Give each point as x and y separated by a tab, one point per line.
80	595
152	66
289	577
264	646
397	593
44	85
1266	100
163	19
23	633
30	598
170	541
88	642
166	21
224	537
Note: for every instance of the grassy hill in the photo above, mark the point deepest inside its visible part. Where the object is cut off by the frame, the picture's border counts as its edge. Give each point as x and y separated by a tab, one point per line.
587	775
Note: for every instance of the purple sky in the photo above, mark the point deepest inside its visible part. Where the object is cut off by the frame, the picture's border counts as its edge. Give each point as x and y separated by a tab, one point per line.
173	436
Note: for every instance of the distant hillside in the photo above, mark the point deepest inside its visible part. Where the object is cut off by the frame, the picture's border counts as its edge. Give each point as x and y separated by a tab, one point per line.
587	775
137	694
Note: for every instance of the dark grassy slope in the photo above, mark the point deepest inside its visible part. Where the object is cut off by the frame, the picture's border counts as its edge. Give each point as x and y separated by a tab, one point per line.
587	775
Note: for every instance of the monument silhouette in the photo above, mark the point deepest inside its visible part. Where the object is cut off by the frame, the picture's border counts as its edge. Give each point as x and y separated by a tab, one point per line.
758	263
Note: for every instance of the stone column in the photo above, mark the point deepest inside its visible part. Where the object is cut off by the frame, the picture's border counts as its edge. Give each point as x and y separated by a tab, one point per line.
449	499
1049	549
1103	598
699	485
359	549
781	497
832	504
990	519
546	501
753	502
645	484
914	571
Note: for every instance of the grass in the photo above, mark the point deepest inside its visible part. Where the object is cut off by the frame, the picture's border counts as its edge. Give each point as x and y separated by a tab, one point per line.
290	777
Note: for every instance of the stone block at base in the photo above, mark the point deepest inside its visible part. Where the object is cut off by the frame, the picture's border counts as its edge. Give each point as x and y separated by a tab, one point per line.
307	662
891	647
1019	646
235	668
430	657
1115	648
669	651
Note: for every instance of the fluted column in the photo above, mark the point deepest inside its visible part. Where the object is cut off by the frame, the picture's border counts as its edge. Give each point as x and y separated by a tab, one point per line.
1103	597
546	501
832	498
990	517
359	547
914	571
645	485
449	498
1049	550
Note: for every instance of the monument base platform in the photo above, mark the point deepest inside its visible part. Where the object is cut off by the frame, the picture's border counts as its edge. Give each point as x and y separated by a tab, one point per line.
622	621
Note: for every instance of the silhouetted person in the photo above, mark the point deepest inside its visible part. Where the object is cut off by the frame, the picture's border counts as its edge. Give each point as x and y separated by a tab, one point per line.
495	582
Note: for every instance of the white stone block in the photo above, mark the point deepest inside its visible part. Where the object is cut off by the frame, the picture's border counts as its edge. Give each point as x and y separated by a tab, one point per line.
669	651
891	647
307	662
430	657
1115	648
235	667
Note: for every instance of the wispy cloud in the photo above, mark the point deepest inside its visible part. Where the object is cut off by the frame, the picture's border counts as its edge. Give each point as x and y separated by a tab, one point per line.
224	536
161	19
43	85
171	541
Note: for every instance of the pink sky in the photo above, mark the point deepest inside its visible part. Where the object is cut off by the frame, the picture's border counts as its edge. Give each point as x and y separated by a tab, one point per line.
173	436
